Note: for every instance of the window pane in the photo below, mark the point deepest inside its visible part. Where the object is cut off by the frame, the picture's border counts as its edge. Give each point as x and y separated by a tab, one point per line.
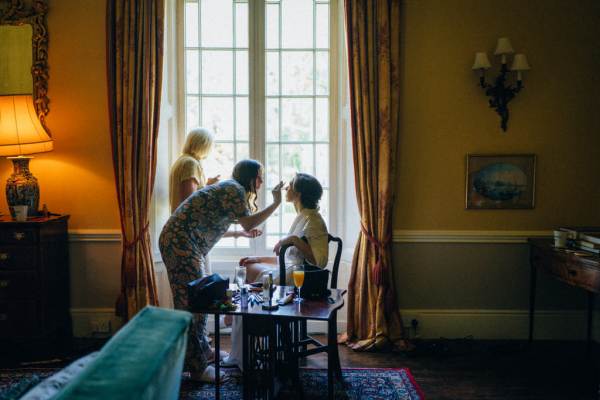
217	23
272	28
297	72
241	25
272	76
322	72
242	242
296	158
272	165
226	242
219	161
241	118
324	206
272	119
217	115
322	26
217	72
192	107
297	24
272	241
289	214
272	225
241	72
191	24
192	73
296	119
322	164
242	151
322	123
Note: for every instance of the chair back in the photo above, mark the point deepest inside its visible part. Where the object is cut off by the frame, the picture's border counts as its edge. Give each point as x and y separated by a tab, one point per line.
334	268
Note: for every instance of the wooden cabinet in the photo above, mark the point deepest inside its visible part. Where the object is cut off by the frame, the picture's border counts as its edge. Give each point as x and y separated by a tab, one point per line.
34	279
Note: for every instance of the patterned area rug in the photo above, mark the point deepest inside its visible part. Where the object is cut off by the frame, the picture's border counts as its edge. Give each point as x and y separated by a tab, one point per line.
359	383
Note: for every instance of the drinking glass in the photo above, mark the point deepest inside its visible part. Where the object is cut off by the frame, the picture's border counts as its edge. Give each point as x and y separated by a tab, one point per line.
298	275
240	276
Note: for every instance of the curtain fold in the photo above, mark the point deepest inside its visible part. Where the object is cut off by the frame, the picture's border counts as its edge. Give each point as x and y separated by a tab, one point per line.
373	39
134	68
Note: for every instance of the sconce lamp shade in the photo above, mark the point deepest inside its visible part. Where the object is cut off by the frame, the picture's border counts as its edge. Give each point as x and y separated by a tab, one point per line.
21	132
520	63
503	47
481	61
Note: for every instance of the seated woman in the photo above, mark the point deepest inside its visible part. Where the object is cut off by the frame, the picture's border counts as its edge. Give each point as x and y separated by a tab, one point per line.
304	191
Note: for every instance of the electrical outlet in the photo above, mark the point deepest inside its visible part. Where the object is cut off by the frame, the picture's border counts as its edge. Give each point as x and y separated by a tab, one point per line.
100	325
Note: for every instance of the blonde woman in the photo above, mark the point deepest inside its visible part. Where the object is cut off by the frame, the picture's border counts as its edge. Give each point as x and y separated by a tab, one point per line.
187	174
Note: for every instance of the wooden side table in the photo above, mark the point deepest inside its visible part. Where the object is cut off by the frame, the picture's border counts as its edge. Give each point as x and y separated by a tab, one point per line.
34	279
568	266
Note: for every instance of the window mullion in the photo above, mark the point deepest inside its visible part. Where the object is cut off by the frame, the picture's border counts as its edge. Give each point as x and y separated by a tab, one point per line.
256	57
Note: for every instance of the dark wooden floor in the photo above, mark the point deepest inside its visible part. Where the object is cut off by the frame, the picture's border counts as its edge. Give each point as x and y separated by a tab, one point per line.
455	369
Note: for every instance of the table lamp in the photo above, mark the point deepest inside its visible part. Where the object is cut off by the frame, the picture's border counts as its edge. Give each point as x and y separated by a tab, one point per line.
21	135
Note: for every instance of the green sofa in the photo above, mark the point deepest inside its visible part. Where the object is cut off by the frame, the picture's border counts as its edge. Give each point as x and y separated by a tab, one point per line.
144	360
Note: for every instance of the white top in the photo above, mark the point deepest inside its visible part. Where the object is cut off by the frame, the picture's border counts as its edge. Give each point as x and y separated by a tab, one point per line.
309	224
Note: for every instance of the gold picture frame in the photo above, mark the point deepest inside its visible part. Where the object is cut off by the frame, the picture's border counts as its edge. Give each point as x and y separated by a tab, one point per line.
500	181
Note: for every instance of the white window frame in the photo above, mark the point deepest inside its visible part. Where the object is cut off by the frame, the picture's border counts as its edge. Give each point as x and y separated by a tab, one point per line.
343	220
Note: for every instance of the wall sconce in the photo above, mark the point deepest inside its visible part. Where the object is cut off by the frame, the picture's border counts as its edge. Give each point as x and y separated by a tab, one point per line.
500	93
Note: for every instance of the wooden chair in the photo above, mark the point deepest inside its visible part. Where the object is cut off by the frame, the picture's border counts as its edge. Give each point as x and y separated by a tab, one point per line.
301	339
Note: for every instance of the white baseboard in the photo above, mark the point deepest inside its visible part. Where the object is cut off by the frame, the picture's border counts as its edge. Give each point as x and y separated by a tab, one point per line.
499	324
432	324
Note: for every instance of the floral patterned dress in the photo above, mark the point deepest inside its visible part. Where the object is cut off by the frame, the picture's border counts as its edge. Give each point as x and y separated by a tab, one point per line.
187	237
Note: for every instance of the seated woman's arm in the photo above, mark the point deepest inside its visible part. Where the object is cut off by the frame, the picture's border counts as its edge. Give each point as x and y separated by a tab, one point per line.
298	243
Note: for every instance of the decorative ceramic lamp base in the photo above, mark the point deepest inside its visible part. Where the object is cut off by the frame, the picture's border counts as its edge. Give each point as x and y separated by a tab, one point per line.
22	187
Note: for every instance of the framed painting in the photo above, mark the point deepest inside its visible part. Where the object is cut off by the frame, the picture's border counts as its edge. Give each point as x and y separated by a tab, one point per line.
499	181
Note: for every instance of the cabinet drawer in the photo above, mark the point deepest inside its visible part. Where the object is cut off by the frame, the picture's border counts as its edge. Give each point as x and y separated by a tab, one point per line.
588	278
18	257
16	235
19	318
19	285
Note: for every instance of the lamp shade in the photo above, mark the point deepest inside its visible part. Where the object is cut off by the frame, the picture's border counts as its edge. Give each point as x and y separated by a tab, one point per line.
503	47
21	132
481	61
520	63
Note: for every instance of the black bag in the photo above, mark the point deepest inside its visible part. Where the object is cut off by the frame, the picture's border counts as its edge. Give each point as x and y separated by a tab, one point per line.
315	282
203	292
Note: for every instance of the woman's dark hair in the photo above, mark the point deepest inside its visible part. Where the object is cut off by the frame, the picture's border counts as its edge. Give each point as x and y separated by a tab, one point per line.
309	188
245	173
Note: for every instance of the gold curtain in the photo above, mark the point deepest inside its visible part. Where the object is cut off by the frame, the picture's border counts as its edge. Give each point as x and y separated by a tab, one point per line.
373	38
134	67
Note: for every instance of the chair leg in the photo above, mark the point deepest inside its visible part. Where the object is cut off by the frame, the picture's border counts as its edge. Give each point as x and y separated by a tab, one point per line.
303	332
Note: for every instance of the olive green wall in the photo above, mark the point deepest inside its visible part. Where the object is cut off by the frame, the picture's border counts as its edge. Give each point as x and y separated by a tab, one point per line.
445	115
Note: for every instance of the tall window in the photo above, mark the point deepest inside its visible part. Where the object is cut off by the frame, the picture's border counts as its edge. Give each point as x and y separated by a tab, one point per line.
263	76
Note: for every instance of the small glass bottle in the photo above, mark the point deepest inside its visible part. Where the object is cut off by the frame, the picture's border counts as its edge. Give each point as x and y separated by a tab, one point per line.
244	298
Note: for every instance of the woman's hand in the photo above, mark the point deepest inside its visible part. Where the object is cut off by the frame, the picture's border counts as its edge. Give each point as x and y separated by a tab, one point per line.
251	234
276	192
213	180
250	260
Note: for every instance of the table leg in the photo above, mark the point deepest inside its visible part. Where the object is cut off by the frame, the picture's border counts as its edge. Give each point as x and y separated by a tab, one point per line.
217	358
532	282
590	313
245	361
331	342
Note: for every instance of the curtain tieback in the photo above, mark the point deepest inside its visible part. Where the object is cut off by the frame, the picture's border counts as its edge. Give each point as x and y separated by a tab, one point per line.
379	249
139	236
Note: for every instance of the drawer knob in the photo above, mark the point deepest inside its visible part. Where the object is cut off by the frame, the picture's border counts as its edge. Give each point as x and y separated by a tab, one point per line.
19	235
4	283
3	256
3	317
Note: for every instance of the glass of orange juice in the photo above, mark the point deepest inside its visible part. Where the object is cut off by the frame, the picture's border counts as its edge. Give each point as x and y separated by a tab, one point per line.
298	275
